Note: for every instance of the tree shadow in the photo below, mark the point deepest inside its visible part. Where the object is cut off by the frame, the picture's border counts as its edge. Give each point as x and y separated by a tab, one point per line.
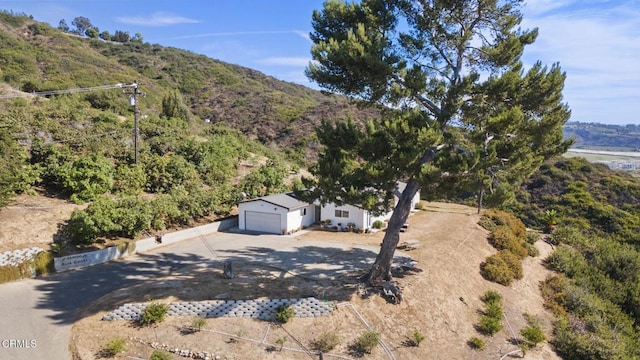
325	272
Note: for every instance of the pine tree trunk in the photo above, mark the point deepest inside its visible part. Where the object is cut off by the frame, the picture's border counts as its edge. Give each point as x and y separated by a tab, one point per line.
480	199
381	269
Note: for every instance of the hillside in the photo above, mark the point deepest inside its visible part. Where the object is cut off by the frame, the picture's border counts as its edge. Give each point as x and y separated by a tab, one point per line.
605	137
209	132
36	57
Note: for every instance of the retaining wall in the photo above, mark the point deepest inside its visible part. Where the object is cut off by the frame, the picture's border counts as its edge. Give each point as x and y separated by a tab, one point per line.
76	261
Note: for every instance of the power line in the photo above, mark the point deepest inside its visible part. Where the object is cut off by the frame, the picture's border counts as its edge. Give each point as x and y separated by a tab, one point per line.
70	91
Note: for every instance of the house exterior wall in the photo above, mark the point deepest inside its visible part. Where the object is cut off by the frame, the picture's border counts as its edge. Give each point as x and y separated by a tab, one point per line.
261	206
301	218
290	221
362	218
356	215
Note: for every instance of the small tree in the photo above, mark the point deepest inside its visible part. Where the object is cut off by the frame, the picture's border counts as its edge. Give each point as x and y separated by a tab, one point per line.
532	333
154	313
326	342
82	24
62	25
114	347
366	342
284	313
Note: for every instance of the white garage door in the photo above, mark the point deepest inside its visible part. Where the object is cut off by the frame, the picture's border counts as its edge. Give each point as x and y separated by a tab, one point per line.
263	222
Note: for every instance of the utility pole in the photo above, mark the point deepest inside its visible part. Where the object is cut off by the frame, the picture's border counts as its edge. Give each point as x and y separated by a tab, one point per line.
134	102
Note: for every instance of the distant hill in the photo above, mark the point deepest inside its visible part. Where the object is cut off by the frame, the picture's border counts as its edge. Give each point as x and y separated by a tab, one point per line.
605	137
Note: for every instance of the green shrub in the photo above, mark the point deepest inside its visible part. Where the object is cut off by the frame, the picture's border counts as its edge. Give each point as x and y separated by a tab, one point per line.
197	323
326	342
153	313
493	310
284	313
491	297
417	338
420	205
476	343
489	325
114	347
503	238
160	355
366	342
533	237
43	263
533	334
502	268
508	220
281	341
532	250
487	223
10	273
378	224
513	262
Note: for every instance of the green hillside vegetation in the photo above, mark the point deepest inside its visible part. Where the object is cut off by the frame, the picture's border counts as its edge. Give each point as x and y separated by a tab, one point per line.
80	146
596	293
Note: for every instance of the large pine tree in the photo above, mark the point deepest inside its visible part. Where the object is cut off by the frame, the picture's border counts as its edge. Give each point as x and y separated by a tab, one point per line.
460	112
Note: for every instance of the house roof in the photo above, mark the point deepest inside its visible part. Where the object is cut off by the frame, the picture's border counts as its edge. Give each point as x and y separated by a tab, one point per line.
286	200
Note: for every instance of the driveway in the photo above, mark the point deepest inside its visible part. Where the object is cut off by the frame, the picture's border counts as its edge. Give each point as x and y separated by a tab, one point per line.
37	314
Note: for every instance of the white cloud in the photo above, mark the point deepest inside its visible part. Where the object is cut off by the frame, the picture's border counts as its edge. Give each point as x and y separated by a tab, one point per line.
597	46
156	19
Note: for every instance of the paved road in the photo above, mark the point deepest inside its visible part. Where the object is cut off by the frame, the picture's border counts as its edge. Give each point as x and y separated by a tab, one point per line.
36	315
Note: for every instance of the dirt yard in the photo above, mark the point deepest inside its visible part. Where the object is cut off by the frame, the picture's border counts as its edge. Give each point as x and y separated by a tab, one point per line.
441	301
33	221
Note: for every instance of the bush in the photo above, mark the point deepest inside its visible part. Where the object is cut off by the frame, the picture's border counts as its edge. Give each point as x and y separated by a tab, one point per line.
532	250
326	342
366	342
533	334
197	323
493	310
43	263
153	313
160	355
532	237
487	223
114	347
508	220
491	297
502	268
417	338
476	343
489	325
284	313
503	238
378	224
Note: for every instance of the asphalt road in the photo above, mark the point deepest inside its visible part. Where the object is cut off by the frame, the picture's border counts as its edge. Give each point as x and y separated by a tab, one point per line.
36	315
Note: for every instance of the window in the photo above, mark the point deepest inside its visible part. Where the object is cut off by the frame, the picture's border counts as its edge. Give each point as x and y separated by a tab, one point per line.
304	211
342	213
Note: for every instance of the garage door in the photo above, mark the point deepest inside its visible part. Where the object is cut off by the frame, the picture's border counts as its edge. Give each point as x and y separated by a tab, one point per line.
263	222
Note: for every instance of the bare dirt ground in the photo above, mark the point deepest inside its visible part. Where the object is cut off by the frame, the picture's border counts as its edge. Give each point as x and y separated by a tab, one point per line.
442	301
33	220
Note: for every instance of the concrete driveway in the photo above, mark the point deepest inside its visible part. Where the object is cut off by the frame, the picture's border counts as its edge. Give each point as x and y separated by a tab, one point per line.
37	314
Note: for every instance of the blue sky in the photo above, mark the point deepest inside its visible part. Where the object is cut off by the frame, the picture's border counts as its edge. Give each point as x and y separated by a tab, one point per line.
596	42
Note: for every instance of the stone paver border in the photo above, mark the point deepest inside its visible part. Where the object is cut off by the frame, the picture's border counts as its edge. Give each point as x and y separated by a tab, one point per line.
263	309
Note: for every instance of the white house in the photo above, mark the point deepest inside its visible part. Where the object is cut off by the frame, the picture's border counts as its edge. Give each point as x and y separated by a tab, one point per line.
342	215
276	214
284	214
